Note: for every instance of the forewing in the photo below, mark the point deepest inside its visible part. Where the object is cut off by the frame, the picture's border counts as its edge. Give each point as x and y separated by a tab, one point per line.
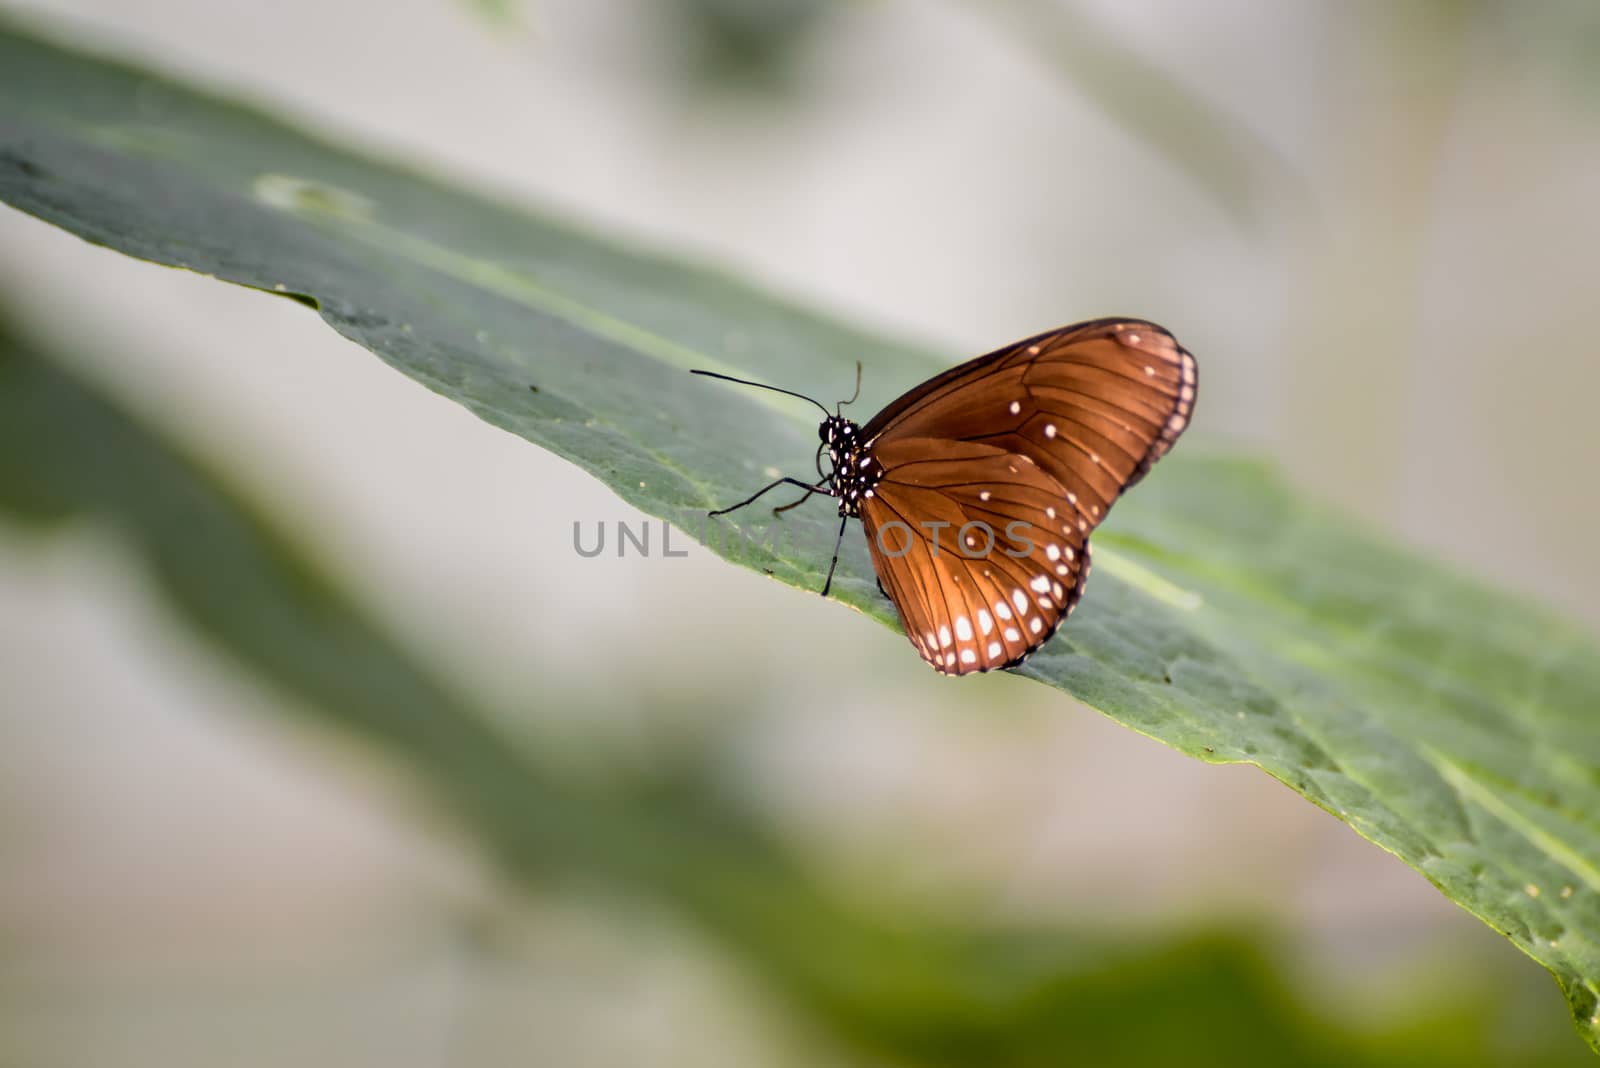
1094	405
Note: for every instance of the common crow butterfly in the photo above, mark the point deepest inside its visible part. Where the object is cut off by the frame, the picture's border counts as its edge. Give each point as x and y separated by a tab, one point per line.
979	488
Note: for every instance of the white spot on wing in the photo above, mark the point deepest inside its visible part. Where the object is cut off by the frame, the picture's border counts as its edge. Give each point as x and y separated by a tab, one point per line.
995	649
1040	584
1002	610
969	656
985	621
1013	634
1053	551
944	636
1049	430
1016	407
1036	624
963	629
1020	599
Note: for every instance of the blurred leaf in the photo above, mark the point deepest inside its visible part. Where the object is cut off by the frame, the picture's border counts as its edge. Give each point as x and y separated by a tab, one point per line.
1240	172
1449	724
741	44
1558	38
902	989
501	13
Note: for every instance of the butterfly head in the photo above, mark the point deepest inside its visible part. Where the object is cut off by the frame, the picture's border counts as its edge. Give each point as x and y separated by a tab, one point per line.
836	430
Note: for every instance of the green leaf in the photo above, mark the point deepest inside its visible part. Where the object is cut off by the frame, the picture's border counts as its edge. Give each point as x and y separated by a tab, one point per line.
1449	724
896	988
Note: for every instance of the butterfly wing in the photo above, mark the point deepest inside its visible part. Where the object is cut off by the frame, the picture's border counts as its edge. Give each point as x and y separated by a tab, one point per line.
1039	438
958	542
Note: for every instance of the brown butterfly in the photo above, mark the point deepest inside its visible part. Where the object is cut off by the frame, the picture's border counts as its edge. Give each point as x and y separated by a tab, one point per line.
979	488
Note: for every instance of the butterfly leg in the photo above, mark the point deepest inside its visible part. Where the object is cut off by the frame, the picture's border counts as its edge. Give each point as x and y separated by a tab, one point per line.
793	504
809	491
772	486
821	480
828	585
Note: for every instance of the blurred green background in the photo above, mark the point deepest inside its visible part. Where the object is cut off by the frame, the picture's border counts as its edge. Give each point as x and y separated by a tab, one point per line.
1371	221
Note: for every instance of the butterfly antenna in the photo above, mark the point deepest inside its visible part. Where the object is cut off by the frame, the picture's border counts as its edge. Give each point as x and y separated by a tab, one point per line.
854	395
760	385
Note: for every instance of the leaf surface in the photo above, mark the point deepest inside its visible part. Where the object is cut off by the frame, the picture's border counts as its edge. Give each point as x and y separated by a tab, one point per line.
1228	617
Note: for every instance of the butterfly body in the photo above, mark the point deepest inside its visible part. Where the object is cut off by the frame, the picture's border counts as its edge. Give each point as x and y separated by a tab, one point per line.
856	471
978	489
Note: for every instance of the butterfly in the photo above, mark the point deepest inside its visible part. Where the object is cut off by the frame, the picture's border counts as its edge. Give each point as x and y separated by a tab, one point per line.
978	489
